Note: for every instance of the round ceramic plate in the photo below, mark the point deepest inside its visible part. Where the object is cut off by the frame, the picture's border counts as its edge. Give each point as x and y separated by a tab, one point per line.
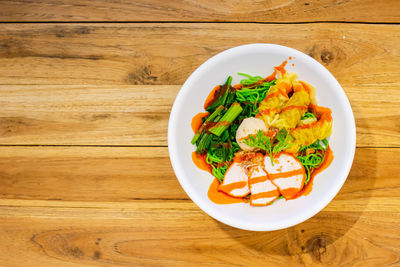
259	59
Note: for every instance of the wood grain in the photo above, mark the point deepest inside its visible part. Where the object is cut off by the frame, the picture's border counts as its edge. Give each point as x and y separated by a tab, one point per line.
85	115
180	234
116	174
201	10
138	115
150	53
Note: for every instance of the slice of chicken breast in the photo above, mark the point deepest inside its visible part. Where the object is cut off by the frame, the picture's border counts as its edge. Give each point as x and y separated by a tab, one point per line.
235	181
286	173
263	191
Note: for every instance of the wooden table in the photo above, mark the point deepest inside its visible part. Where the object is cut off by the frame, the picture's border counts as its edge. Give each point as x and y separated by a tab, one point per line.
86	88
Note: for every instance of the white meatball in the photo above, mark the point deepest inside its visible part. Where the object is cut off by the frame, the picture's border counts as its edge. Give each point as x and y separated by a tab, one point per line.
249	126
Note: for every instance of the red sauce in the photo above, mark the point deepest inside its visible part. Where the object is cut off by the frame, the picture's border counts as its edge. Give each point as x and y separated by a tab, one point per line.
200	161
232	186
268	111
258	179
222	124
293	107
238	86
276	94
305	86
290	58
271	77
281	68
273	193
210	97
196	121
219	197
274	176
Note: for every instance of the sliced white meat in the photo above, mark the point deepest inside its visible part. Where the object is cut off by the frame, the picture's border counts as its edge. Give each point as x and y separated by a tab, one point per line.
263	191
235	181
287	174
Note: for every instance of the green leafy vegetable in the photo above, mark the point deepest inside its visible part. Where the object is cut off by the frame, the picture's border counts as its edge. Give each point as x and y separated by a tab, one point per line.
259	140
283	137
220	156
219	172
211	117
222	96
233	111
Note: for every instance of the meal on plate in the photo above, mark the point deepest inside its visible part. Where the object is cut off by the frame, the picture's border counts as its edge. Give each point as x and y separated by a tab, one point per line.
263	139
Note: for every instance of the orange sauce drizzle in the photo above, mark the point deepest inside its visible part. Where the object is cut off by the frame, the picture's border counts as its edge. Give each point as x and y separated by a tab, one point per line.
276	94
281	67
200	161
293	107
274	176
271	77
238	86
196	121
289	193
258	179
305	86
268	110
219	197
210	97
273	193
297	87
232	186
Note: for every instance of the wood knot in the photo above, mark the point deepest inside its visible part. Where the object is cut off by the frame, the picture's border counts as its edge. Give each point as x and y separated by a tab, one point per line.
142	76
83	30
319	249
96	255
326	56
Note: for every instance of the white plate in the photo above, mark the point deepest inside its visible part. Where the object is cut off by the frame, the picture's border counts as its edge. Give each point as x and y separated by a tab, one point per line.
259	59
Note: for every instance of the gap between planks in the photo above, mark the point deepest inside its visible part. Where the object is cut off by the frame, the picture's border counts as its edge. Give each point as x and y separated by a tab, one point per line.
201	22
17	207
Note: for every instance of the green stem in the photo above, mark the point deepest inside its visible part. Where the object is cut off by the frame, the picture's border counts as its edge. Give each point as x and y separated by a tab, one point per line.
232	113
209	118
204	142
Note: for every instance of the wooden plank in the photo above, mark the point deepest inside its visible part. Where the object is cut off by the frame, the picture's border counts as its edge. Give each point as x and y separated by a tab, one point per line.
166	53
138	115
85	115
195	10
115	174
179	234
87	173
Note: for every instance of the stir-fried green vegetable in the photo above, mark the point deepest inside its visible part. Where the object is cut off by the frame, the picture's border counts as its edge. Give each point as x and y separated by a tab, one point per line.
233	111
216	135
